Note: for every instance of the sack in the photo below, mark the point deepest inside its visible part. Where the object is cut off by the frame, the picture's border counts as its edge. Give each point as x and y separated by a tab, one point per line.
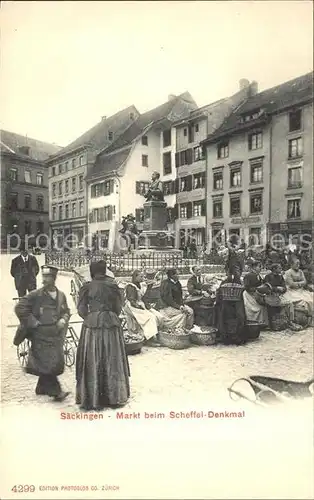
21	334
272	300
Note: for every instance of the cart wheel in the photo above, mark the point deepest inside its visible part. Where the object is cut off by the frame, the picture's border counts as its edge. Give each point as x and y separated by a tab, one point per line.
22	352
69	353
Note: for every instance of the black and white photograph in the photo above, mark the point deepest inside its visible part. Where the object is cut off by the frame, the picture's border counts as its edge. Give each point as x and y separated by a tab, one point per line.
157	278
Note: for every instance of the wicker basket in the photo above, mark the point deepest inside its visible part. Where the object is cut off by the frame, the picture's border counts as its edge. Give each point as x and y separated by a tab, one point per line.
252	330
168	339
204	338
301	317
132	348
278	318
231	291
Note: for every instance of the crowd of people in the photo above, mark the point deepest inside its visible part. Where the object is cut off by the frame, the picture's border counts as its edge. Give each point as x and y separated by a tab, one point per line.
102	368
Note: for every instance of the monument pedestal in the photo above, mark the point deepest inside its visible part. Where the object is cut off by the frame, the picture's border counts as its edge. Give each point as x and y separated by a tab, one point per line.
155	234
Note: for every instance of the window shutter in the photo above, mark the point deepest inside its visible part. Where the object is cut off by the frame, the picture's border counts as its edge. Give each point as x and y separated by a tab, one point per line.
90	217
189	183
189	210
137	188
110	212
175	212
203	209
177	160
111	186
176	186
189	156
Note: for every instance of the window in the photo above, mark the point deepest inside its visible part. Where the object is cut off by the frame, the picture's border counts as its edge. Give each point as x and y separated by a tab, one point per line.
196	127
81	183
66	166
198	153
53	171
60	212
27	176
67	211
13	201
39	227
184	158
66	186
60	188
144	140
183	184
199	180
74	163
60	168
256	203
110	136
73	184
39	179
183	211
256	173
295	120
218	180
235	206
81	208
139	215
235	177
217	209
73	210
54	213
13	174
131	116
28	227
168	187
294	209
167	163
40	203
144	161
141	187
166	138
295	177
191	133
223	150
199	208
185	132
54	190
255	140
27	201
81	160
295	147
255	234
109	211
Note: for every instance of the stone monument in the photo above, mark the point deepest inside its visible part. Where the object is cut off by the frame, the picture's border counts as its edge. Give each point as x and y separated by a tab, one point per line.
155	234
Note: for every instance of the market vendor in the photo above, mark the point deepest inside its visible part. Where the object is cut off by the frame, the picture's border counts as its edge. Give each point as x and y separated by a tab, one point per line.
176	314
255	312
199	299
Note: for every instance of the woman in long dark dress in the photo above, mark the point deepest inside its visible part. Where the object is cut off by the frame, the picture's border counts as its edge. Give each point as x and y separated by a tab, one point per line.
229	311
102	369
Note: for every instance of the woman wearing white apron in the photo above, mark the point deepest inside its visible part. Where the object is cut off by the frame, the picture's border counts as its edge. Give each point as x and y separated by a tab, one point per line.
140	318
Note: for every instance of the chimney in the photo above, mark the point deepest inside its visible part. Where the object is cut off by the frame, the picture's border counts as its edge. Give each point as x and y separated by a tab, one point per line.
253	88
244	83
171	97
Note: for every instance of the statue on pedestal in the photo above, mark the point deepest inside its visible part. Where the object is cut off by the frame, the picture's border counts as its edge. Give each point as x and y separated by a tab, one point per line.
155	190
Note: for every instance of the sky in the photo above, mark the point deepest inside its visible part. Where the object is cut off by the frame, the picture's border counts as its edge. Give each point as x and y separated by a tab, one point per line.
64	65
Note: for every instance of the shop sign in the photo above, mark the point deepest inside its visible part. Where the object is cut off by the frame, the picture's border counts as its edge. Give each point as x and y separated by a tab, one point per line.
245	220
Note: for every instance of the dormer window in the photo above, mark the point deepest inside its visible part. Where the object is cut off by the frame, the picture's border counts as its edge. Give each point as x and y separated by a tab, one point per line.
251	116
24	150
131	116
110	136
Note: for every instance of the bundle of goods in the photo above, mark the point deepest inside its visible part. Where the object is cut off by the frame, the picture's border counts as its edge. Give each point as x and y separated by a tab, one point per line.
203	335
133	343
253	330
179	338
301	316
278	318
231	291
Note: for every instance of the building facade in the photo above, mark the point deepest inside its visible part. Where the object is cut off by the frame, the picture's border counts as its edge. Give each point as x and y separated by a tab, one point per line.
68	208
24	189
256	163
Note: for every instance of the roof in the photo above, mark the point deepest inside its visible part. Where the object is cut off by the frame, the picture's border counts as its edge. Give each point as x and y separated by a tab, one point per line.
39	150
106	164
288	94
96	137
152	116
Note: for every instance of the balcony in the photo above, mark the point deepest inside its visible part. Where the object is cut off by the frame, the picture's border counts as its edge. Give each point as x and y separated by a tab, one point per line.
295	184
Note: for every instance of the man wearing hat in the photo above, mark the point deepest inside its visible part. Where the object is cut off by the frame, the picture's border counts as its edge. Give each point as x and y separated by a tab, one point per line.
45	315
24	269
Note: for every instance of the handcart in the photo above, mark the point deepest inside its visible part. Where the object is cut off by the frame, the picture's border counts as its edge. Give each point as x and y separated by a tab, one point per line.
267	391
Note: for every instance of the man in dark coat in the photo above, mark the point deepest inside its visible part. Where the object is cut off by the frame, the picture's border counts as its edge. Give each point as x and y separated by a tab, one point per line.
45	315
24	269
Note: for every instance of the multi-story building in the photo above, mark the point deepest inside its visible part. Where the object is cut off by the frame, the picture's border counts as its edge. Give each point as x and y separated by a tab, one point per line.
24	189
259	165
190	161
122	173
67	171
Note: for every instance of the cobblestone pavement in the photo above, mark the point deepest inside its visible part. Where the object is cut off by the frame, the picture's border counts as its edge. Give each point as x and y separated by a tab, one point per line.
160	375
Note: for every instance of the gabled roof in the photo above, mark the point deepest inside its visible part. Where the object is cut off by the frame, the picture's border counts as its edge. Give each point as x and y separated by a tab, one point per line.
150	117
97	137
270	101
38	150
106	164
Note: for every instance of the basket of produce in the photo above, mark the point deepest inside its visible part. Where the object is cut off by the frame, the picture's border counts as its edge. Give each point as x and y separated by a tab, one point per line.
231	291
133	343
301	317
253	330
178	338
278	318
203	335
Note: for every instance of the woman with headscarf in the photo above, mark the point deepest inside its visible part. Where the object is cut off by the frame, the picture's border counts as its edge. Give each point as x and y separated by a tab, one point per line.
102	369
296	292
255	311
